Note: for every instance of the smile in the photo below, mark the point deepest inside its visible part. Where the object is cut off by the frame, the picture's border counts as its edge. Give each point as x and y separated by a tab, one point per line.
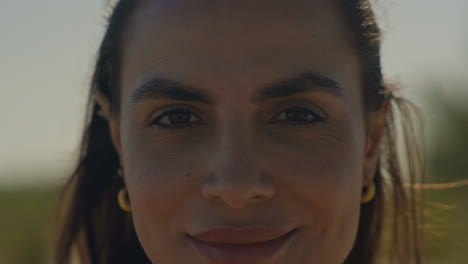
230	253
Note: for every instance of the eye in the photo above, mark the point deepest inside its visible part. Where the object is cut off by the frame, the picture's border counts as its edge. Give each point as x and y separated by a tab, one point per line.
299	116
175	119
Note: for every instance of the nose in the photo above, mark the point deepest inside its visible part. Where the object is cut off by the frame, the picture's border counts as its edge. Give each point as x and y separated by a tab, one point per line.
237	178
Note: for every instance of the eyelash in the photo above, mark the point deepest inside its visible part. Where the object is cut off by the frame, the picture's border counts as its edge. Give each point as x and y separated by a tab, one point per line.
316	118
154	122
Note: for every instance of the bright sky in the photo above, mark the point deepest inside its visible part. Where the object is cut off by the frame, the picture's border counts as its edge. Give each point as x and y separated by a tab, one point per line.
47	50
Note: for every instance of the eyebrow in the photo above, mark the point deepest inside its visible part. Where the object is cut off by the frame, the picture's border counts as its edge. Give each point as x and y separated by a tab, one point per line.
163	88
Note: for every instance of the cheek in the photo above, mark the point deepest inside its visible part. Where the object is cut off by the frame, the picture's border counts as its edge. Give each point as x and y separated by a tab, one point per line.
158	180
322	182
328	172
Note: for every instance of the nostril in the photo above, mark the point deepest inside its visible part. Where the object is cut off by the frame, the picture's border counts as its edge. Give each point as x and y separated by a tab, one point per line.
256	197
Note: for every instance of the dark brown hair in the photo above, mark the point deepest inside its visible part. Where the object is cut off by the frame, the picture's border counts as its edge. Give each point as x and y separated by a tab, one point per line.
95	230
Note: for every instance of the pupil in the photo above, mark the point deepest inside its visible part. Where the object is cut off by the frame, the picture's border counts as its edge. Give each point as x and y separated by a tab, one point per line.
297	115
180	117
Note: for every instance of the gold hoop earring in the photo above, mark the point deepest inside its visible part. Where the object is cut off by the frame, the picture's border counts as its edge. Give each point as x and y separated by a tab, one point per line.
368	194
124	203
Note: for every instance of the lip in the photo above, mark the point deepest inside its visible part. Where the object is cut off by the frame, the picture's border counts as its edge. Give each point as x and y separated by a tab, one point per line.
225	246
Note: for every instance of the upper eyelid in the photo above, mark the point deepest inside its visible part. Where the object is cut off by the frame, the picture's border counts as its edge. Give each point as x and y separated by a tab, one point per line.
307	110
164	110
300	103
318	116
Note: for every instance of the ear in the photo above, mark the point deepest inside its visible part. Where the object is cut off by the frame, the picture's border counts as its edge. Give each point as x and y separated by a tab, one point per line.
114	121
374	135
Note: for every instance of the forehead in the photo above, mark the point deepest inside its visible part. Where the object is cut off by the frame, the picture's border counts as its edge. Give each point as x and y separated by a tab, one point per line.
229	42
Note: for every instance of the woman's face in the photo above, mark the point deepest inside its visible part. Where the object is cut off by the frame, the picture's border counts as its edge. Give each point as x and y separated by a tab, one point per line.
242	114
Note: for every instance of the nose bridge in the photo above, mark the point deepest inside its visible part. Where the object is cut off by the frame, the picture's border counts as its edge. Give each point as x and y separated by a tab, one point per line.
236	145
235	154
236	175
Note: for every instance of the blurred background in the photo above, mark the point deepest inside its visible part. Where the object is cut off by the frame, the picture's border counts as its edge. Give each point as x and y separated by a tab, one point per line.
47	50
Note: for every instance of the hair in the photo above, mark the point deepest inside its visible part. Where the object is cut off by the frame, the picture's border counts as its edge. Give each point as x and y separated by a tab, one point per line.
95	230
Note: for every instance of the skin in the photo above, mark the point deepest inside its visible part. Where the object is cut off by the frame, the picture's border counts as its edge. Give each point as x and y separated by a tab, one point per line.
235	166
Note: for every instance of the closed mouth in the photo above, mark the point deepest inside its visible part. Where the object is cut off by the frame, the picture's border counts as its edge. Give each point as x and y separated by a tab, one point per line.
241	253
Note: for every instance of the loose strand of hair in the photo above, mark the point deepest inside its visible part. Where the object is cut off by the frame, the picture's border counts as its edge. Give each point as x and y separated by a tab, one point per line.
404	128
